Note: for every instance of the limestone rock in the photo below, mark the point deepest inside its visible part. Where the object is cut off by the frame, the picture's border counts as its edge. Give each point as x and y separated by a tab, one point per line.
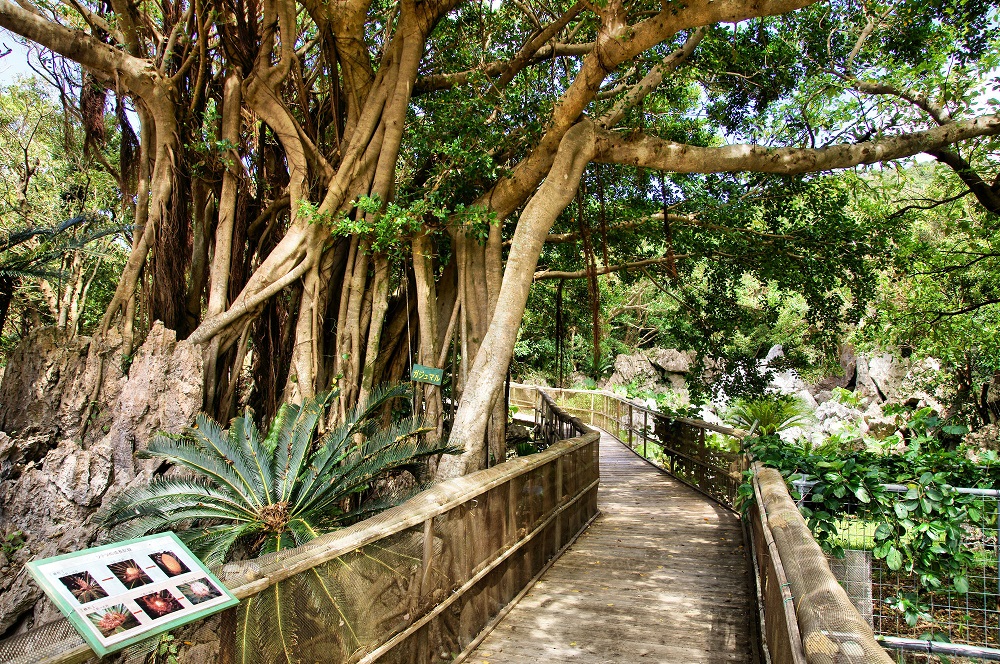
671	360
50	380
708	413
517	433
881	376
15	453
788	382
986	438
51	522
806	397
880	427
678	384
51	481
773	353
836	410
80	475
825	386
848	363
635	369
163	393
833	417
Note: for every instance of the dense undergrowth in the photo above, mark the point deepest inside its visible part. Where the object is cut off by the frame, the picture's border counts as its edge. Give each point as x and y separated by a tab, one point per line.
927	529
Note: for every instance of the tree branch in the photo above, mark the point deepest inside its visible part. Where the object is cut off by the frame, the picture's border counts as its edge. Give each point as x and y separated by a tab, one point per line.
607	269
652	152
964	310
652	79
78	46
433	82
938	112
986	194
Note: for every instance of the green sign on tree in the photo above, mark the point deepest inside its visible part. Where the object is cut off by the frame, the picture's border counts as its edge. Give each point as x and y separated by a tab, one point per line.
422	374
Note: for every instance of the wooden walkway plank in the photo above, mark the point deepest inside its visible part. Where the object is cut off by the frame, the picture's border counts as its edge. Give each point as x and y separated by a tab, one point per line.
660	576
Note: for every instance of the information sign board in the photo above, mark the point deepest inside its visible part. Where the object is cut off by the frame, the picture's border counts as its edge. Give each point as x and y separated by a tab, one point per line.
422	374
118	594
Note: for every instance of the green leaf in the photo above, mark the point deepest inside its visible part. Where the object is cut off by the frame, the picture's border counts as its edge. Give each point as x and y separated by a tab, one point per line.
894	559
961	585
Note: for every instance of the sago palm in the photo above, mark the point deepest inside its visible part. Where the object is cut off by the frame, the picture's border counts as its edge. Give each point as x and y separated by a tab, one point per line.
270	492
771	413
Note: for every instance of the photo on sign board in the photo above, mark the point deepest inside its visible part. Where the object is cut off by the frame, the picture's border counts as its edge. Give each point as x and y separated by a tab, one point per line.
129	573
84	587
159	604
199	591
170	563
113	620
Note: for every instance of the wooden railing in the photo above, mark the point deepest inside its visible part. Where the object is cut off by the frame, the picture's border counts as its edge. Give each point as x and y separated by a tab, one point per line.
804	615
416	583
703	455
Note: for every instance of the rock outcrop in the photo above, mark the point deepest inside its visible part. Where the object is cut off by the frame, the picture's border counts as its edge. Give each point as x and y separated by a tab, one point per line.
653	370
55	472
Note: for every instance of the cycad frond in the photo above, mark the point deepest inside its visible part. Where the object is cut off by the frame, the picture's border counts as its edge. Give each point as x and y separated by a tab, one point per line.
281	489
770	413
281	632
213	543
246	439
363	416
164	494
399	446
293	447
231	448
249	639
197	458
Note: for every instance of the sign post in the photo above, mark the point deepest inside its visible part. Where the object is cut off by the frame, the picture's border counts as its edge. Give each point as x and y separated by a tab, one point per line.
122	593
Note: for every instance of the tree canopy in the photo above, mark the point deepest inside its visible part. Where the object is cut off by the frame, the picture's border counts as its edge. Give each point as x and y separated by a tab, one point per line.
335	190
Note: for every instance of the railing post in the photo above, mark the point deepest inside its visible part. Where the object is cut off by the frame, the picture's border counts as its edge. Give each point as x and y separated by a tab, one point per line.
591	409
644	421
630	426
559	499
701	456
427	557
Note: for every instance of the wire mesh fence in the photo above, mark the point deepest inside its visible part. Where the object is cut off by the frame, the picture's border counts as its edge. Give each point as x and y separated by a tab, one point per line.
954	625
415	584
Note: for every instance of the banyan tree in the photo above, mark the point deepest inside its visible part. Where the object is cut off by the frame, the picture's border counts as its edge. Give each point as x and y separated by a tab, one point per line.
326	191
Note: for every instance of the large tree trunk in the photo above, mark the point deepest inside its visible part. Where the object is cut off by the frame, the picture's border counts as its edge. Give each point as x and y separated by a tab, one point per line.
490	366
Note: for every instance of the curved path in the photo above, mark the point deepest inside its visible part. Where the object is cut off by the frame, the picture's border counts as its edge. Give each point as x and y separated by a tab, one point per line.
660	576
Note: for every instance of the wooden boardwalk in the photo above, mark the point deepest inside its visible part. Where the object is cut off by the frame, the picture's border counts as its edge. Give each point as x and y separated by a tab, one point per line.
660	576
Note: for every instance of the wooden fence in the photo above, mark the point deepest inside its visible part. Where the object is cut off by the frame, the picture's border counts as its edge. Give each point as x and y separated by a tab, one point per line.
416	584
804	615
681	446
